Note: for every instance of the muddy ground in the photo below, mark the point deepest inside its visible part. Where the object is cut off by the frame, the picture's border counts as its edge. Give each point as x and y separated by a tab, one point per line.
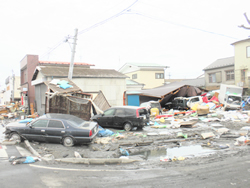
152	146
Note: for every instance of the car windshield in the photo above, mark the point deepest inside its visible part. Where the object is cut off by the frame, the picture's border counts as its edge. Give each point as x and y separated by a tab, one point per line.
234	100
142	112
144	104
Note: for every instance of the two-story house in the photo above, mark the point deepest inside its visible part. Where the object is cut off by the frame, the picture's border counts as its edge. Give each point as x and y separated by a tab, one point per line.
150	74
242	62
220	71
232	70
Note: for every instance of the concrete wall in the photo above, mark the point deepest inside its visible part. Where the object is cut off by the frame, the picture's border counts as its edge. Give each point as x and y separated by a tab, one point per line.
147	77
112	88
213	86
242	62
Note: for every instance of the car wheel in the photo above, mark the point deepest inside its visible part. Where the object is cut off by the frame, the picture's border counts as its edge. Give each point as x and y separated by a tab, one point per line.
15	137
139	128
127	127
68	141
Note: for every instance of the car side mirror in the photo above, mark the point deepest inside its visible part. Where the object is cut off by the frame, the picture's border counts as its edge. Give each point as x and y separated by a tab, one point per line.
29	125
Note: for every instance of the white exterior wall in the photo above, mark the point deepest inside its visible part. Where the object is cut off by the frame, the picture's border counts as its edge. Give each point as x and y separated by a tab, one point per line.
112	88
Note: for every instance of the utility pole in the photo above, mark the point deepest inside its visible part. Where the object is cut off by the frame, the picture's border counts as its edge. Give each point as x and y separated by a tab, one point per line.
71	67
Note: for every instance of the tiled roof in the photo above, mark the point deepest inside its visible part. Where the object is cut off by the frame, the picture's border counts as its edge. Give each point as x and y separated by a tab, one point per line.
64	63
219	63
80	72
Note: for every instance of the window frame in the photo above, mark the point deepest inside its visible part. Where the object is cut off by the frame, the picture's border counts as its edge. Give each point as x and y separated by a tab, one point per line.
248	51
243	75
33	124
159	75
53	120
134	76
210	79
230	74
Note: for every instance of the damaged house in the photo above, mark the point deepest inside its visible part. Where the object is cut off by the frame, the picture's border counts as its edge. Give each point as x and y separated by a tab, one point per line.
100	83
164	93
68	98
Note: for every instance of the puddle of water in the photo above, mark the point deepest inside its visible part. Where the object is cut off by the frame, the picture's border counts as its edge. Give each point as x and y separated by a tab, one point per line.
188	151
183	151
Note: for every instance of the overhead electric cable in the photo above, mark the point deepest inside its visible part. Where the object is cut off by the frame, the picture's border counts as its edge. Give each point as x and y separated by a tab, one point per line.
177	24
91	27
53	48
108	19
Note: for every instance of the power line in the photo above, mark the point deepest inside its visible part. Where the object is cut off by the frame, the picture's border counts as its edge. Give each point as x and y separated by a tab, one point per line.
177	24
89	28
53	48
108	19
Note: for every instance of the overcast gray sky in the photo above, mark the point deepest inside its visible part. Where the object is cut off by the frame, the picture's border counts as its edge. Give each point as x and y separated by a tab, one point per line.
185	35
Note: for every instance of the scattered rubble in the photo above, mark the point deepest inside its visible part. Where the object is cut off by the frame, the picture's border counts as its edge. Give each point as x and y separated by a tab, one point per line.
206	125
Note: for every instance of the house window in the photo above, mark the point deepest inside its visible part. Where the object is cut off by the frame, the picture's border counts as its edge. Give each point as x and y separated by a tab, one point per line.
134	76
248	51
243	75
159	75
229	75
212	78
215	77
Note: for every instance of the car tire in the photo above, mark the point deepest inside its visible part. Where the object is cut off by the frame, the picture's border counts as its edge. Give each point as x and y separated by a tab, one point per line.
15	136
139	128
127	127
68	141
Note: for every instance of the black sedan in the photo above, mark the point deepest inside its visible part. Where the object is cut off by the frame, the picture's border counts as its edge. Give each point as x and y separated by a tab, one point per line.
57	128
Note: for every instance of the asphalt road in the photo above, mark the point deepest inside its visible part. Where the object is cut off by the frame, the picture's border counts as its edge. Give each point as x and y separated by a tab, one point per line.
233	171
230	172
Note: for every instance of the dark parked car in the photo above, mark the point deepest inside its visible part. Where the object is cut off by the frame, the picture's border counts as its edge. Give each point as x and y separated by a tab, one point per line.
152	104
57	128
125	117
180	103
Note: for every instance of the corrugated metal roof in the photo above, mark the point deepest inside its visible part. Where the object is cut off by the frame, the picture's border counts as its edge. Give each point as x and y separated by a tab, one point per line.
81	72
219	63
162	90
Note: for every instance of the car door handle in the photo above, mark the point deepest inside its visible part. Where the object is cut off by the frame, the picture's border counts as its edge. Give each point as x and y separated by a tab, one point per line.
42	130
62	131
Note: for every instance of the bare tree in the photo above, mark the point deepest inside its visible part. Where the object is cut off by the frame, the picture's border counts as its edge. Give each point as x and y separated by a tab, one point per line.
248	21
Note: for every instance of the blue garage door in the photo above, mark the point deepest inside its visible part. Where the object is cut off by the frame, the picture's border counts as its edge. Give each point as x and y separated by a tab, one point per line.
133	100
